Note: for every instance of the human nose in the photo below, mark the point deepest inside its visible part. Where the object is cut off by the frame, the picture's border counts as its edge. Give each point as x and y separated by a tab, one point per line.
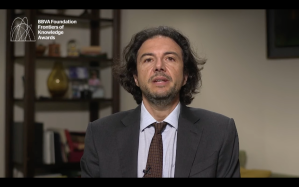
159	65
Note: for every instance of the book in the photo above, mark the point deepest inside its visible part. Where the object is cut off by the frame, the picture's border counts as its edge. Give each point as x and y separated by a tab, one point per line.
75	156
58	148
51	175
48	148
18	142
69	140
78	140
63	139
76	144
90	49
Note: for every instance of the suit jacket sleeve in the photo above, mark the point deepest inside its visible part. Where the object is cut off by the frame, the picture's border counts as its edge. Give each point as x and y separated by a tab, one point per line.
228	165
89	161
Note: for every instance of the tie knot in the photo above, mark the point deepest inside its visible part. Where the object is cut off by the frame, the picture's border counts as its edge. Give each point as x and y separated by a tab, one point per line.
159	127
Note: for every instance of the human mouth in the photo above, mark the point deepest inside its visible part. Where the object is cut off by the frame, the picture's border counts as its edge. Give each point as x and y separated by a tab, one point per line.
160	81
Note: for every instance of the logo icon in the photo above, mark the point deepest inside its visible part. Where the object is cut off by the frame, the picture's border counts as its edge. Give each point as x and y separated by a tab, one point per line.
21	31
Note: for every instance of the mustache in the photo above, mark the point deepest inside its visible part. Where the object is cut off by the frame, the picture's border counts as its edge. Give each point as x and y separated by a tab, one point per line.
160	75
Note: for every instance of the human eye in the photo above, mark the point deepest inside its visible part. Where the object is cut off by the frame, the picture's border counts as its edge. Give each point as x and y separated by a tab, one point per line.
147	60
170	58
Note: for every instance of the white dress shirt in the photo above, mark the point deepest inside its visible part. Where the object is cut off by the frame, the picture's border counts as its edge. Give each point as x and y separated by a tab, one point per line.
169	137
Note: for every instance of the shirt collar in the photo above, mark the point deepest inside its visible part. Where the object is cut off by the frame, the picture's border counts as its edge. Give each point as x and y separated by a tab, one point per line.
146	118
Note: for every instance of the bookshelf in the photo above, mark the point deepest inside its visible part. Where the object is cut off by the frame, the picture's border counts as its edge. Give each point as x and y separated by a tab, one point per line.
29	101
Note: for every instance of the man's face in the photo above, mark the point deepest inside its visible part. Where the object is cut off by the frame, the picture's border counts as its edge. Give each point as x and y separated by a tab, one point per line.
160	70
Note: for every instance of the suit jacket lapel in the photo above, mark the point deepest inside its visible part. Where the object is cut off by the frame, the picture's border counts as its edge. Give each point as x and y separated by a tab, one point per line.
128	141
187	142
188	138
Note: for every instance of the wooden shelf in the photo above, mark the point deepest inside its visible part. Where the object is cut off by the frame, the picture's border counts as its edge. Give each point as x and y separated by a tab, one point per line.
67	100
87	59
30	102
100	61
65	166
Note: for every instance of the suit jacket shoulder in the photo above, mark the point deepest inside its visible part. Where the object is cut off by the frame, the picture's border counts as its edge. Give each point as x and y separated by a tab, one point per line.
112	121
207	144
207	118
204	113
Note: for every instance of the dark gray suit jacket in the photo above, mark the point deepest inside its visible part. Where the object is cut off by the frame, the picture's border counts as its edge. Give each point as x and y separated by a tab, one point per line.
207	145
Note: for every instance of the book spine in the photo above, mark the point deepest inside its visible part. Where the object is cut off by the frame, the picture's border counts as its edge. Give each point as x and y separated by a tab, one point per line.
57	145
69	140
48	148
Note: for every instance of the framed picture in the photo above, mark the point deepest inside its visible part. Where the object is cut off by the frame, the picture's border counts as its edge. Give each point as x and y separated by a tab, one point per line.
77	72
95	84
282	33
78	76
94	78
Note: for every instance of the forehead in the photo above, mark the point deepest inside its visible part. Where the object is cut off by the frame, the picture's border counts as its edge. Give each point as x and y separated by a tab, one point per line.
159	43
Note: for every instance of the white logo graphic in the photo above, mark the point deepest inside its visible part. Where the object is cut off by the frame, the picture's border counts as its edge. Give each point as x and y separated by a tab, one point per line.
21	32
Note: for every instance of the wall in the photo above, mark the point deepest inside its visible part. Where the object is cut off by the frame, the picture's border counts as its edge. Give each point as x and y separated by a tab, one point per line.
2	93
238	80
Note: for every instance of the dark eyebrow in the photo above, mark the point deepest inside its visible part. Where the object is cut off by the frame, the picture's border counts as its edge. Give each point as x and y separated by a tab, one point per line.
146	54
174	53
166	53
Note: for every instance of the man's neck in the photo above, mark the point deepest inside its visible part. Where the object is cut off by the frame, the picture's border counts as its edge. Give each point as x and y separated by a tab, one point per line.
160	112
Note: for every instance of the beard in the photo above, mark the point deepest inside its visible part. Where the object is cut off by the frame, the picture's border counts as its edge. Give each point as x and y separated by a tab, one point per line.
160	99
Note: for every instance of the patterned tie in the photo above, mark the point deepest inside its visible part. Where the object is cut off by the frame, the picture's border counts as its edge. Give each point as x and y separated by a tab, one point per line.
154	163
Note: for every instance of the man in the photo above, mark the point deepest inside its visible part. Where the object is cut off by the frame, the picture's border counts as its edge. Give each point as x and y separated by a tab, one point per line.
162	73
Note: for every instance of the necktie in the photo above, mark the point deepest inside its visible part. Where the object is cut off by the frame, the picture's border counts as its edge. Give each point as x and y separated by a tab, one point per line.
154	163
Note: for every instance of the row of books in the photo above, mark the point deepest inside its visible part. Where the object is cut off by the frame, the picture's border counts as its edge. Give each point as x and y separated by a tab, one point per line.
62	146
51	146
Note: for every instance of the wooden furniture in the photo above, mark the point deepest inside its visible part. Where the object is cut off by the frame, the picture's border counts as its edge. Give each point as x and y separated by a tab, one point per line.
29	168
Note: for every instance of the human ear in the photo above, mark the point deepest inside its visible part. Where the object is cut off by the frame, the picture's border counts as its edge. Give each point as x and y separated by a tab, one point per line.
136	80
185	79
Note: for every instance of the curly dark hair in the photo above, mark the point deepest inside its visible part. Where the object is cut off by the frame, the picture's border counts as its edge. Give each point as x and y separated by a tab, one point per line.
124	72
